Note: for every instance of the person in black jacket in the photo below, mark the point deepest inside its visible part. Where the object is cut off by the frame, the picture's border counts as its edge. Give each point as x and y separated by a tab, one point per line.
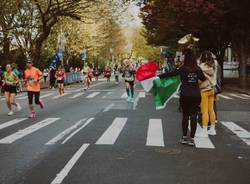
190	95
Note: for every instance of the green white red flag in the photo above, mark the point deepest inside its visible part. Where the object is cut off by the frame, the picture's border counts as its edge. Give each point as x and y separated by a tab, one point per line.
161	89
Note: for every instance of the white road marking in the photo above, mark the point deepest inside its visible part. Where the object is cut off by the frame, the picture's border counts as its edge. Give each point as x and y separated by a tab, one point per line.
201	142
78	130
109	93
24	132
111	134
140	95
237	96
243	134
65	171
77	95
155	133
12	122
244	95
47	95
124	95
59	96
225	97
108	107
92	95
65	132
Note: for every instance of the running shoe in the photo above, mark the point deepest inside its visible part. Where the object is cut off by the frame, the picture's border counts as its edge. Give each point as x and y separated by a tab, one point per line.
183	140
132	100
212	130
10	113
18	107
32	115
41	104
128	99
191	142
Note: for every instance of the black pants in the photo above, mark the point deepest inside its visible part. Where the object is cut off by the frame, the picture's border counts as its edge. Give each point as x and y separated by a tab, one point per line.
31	95
190	108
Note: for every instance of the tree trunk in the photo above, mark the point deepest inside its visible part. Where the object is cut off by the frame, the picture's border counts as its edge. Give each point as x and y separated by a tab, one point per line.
220	59
243	55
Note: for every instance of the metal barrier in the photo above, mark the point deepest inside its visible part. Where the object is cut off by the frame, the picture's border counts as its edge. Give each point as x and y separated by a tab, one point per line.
73	77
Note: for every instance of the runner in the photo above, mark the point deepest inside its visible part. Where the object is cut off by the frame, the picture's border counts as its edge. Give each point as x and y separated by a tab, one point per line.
116	73
10	82
32	78
108	72
60	77
129	76
85	72
90	74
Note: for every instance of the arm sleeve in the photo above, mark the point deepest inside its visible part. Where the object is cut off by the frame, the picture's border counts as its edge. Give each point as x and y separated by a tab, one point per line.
202	77
170	74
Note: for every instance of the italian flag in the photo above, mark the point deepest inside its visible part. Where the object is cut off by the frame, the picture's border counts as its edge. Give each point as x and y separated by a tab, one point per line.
162	90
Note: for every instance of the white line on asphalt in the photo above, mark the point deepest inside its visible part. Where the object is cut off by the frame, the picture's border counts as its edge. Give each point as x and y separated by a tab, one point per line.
108	93
244	95
225	97
155	133
47	95
92	95
202	142
78	130
65	171
12	122
243	134
77	95
65	132
22	97
59	96
24	132
124	95
237	96
108	107
111	134
140	95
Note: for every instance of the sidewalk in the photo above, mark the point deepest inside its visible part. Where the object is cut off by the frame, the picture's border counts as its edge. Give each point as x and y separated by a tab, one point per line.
233	84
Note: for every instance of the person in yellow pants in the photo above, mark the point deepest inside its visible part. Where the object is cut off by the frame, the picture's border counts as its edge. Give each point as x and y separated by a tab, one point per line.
207	65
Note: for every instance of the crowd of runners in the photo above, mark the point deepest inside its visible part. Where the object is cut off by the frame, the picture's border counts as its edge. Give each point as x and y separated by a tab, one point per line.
31	78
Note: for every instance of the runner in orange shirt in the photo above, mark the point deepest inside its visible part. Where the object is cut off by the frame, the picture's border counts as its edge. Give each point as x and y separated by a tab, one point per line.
32	77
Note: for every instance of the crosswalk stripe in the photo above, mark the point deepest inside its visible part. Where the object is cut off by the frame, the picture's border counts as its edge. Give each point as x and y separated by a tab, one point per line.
108	107
108	93
65	171
24	132
12	122
124	95
237	96
59	96
76	95
244	95
47	95
142	94
65	132
92	95
225	97
155	133
111	134
78	130
203	142
243	134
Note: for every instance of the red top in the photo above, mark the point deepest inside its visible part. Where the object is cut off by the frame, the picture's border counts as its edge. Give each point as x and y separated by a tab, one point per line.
60	75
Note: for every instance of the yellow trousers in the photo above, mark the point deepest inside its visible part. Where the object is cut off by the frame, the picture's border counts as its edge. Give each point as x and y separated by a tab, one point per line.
207	107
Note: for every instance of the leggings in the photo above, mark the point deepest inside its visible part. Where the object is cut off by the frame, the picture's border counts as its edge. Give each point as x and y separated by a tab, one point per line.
190	107
207	107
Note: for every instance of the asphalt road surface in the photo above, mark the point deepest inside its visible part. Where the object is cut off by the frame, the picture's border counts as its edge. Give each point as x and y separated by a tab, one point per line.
96	137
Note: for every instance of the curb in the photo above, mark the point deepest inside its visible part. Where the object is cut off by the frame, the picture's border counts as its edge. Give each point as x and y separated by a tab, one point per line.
247	92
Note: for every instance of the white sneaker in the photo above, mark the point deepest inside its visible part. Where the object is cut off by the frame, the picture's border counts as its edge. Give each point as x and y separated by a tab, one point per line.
10	113
203	133
18	107
212	130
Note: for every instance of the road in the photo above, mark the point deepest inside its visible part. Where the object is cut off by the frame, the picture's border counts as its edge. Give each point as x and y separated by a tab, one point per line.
96	137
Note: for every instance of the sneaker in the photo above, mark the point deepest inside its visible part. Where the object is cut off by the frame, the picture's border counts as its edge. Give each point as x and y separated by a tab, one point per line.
18	107
128	99
203	133
132	100
191	142
41	104
10	113
32	115
212	130
183	140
